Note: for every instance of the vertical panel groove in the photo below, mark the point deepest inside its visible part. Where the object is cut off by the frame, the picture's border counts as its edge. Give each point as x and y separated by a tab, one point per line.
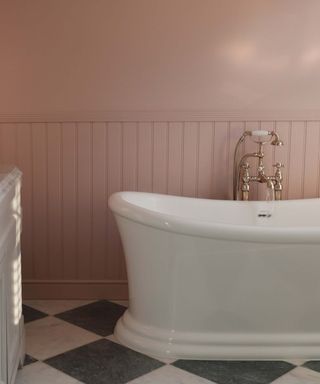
318	184
121	157
91	201
47	200
106	193
289	159
228	153
182	158
197	159
121	183
273	148
77	200
15	144
61	201
167	156
137	154
32	199
212	158
304	158
152	157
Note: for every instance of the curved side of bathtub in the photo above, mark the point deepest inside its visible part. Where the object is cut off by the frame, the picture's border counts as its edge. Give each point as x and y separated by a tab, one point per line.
209	298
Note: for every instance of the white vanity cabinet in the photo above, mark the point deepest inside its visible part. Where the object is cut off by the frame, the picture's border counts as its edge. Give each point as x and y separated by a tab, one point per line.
11	319
3	332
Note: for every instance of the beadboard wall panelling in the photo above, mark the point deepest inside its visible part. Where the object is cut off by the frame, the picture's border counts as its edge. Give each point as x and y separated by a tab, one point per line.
71	246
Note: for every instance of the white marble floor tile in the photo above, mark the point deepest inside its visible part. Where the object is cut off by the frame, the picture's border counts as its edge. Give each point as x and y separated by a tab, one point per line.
296	361
113	339
299	375
163	360
40	373
170	375
52	307
50	336
125	303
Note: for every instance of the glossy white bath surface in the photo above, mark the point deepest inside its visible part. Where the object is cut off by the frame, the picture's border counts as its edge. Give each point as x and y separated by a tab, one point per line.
213	279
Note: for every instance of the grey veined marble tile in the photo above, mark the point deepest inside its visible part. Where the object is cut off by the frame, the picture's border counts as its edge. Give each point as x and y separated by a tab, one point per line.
313	364
236	372
163	359
99	317
104	362
31	314
29	360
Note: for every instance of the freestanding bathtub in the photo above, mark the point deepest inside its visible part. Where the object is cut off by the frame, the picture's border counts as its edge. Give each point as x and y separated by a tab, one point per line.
212	279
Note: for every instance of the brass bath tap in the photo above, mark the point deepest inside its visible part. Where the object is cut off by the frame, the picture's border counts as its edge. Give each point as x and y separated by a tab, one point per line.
241	175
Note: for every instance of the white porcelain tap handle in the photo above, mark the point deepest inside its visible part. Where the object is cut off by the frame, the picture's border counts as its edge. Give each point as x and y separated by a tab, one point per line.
260	133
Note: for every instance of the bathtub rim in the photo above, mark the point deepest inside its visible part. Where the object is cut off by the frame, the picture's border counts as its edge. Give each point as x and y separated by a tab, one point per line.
201	228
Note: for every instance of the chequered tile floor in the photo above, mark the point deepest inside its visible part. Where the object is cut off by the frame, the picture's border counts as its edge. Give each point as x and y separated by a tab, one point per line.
71	342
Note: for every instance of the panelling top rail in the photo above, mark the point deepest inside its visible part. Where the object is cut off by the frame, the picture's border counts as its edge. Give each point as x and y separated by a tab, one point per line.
190	115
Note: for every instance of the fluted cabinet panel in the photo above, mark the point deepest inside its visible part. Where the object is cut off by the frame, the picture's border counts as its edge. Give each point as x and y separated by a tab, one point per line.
71	246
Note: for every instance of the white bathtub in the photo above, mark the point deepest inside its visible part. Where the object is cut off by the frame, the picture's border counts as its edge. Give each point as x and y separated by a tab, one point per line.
210	279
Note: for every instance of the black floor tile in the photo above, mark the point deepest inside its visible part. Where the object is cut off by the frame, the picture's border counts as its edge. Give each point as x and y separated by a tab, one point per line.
99	317
31	314
104	362
312	364
29	360
236	372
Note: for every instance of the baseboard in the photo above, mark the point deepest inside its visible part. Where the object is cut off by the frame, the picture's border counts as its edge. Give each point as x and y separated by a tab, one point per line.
75	289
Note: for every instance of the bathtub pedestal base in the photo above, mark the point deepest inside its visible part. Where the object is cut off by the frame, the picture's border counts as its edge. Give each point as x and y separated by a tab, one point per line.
205	346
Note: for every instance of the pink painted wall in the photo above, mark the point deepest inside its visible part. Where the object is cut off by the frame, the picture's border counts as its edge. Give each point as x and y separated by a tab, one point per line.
151	95
75	55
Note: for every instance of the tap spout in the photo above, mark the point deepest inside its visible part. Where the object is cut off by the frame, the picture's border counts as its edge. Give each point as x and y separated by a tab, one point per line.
271	191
